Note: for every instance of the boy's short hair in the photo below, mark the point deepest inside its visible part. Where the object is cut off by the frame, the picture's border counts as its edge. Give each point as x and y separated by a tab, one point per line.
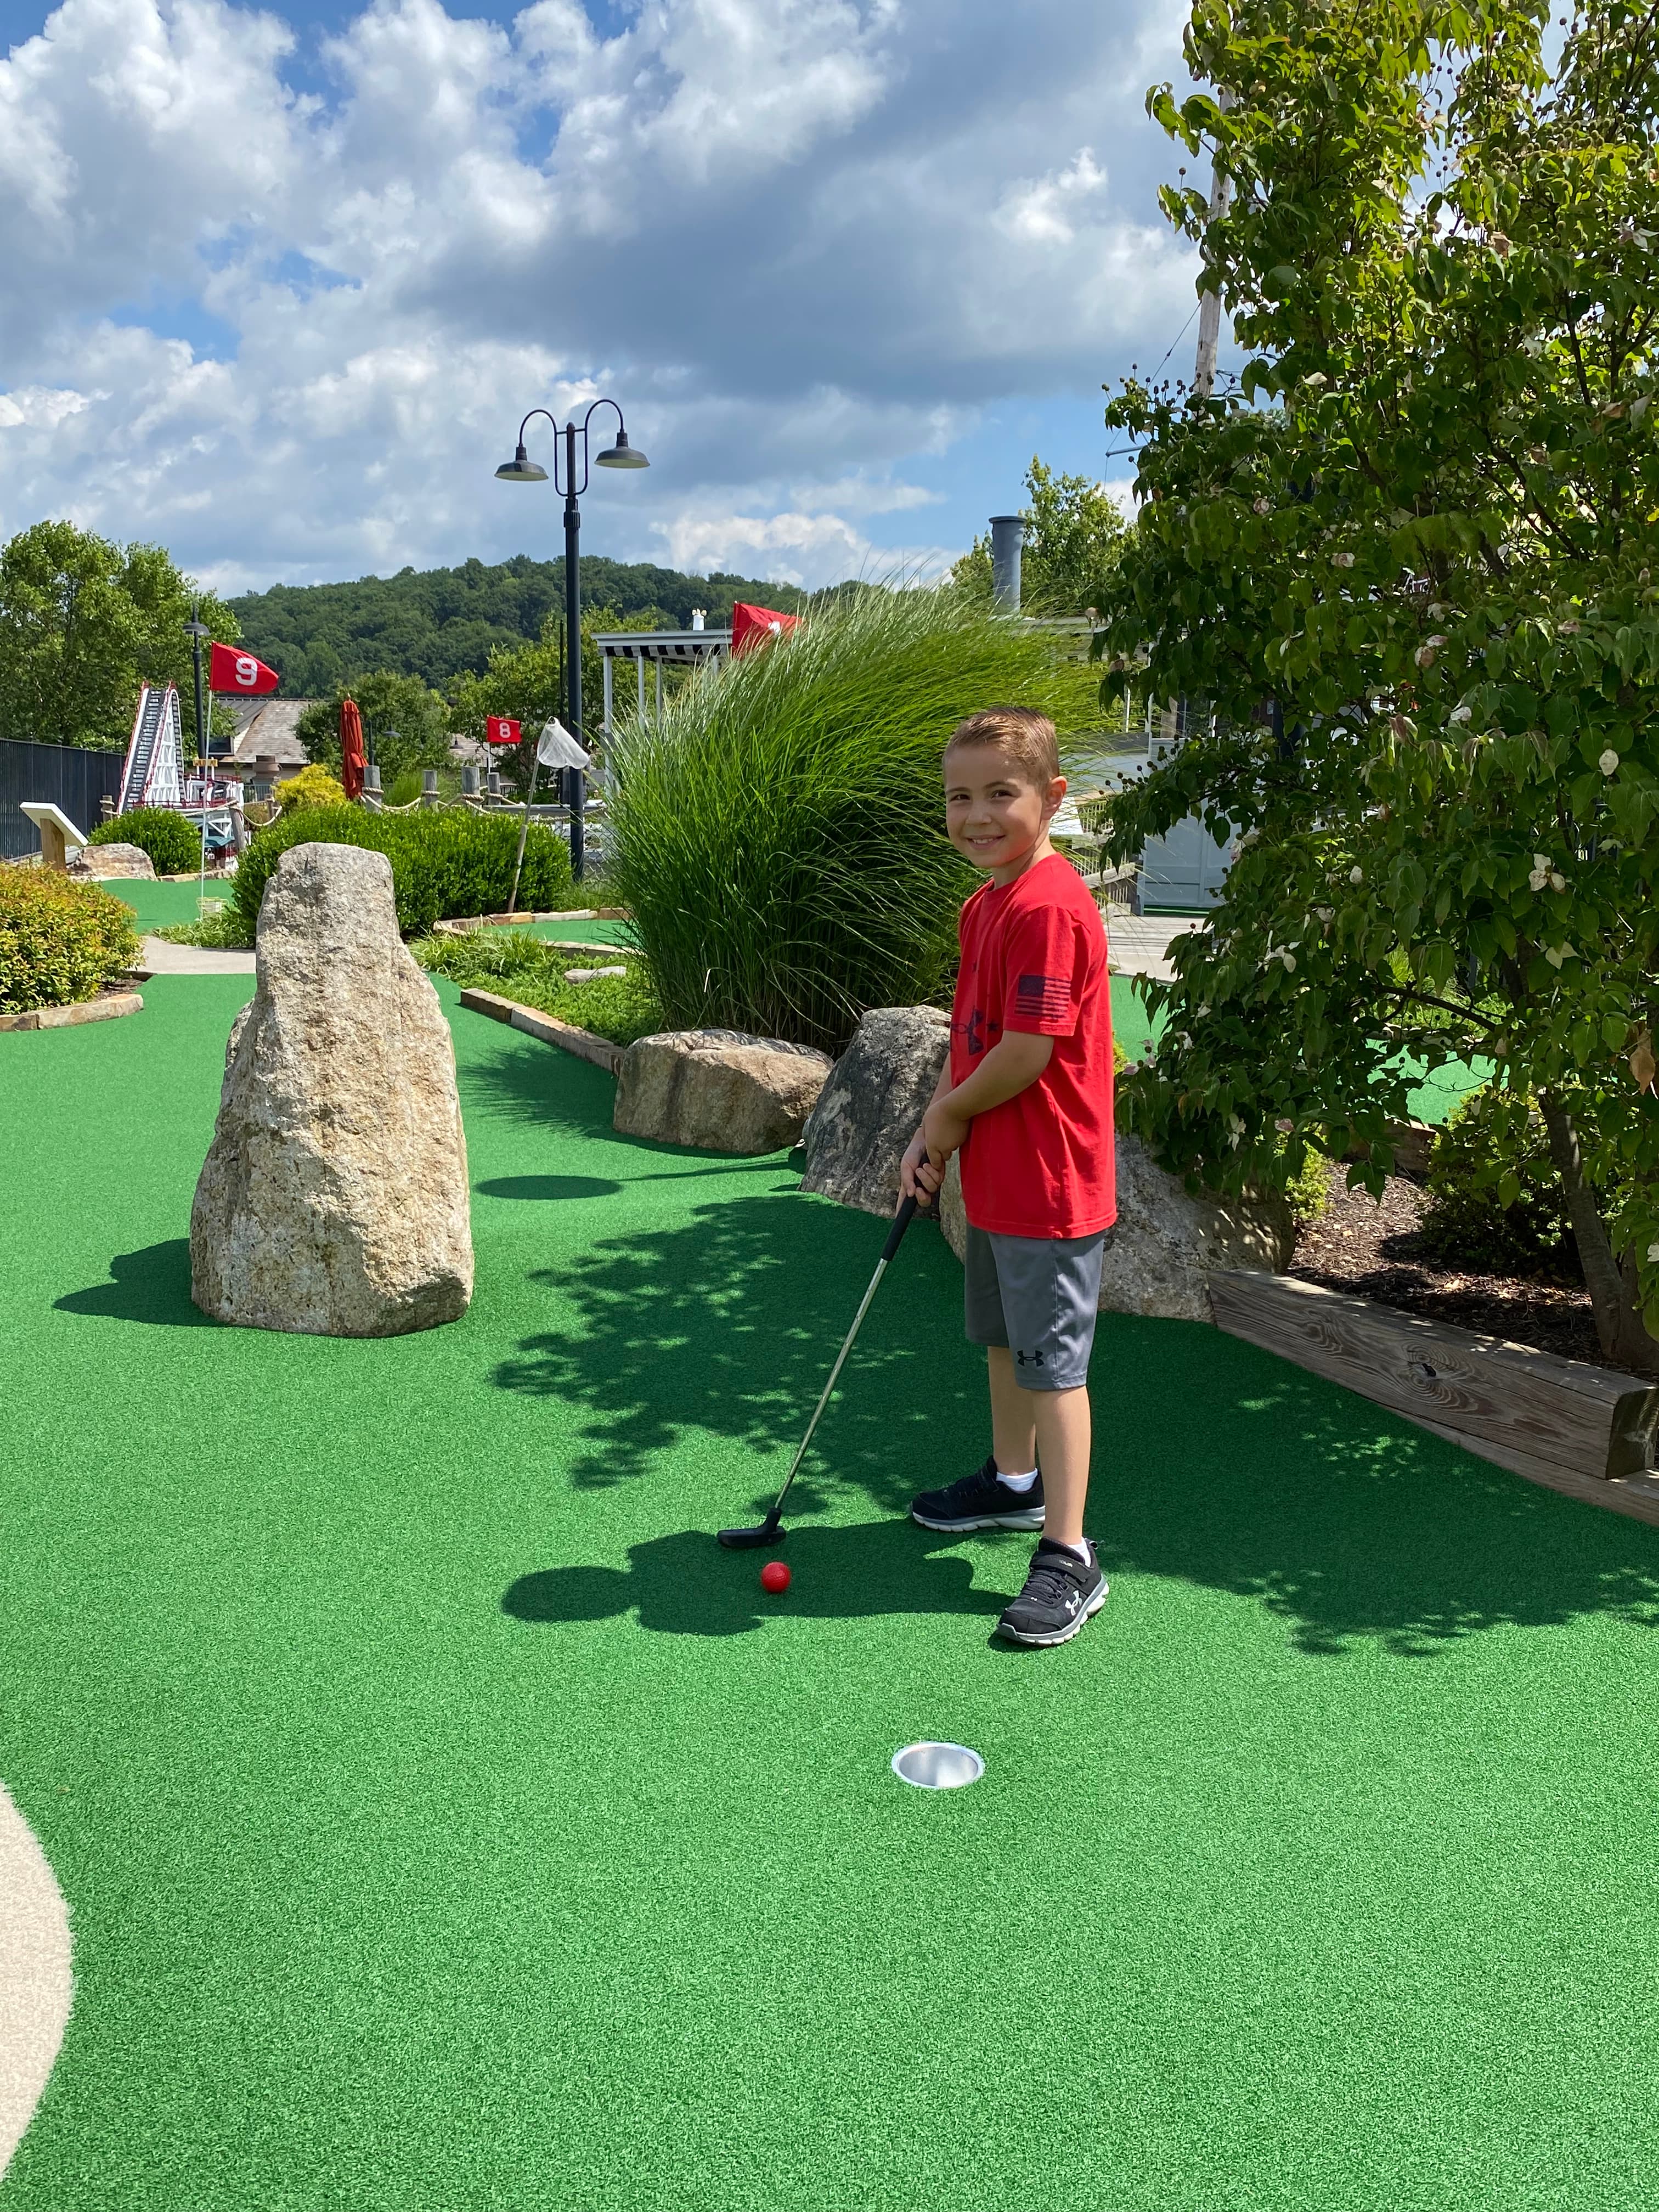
1028	738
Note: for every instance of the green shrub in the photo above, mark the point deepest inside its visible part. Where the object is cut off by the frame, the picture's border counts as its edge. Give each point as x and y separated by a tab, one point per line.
778	838
214	932
1308	1193
1493	1210
174	844
60	941
444	863
530	972
312	787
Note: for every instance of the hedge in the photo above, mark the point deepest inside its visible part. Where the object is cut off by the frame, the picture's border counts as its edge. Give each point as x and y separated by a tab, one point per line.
445	862
175	845
60	941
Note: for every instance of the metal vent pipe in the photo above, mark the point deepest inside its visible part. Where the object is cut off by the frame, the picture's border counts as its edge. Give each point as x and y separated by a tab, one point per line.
1007	537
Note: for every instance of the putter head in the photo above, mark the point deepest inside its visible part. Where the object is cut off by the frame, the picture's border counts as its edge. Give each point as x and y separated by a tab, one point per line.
754	1540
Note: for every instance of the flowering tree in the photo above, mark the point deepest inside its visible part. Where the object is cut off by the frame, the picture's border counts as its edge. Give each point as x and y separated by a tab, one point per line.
1409	565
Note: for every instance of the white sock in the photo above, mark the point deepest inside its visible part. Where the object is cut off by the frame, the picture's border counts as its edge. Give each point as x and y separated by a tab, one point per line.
1082	1550
1019	1483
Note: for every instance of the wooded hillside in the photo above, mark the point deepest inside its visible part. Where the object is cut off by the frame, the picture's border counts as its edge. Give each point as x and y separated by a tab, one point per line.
437	622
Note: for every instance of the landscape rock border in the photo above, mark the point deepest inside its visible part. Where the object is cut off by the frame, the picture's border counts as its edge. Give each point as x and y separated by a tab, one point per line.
109	1006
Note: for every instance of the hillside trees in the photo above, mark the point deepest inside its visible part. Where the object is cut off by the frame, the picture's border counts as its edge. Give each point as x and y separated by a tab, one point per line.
437	623
1410	563
405	724
83	623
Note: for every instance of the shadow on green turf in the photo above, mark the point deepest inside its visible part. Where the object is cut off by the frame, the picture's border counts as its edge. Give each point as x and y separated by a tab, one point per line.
545	1188
1215	1463
685	1585
151	1285
728	1323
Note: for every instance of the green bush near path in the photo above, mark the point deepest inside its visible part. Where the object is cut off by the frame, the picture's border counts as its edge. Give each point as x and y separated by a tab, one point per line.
445	863
779	836
60	941
173	843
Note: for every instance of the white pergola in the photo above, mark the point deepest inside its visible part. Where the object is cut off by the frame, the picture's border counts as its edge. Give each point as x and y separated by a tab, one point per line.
659	647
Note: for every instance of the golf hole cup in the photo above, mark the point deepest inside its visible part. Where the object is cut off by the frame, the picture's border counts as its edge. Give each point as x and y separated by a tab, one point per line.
938	1766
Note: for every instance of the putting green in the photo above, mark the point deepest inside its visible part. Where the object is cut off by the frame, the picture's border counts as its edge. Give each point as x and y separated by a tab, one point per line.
159	905
446	1821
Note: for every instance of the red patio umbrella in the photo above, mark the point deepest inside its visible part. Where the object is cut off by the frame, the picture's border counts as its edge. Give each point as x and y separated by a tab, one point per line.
752	626
352	762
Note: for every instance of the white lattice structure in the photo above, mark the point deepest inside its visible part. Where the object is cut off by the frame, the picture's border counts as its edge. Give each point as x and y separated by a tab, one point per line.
154	774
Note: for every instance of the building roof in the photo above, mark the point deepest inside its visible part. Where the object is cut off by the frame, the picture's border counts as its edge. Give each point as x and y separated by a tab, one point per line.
271	732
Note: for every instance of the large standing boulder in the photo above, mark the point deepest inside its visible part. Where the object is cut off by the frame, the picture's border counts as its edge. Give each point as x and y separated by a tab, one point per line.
112	860
872	1105
718	1090
334	1198
1166	1241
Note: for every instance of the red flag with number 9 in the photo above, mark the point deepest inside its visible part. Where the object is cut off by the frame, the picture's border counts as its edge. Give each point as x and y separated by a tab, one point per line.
230	669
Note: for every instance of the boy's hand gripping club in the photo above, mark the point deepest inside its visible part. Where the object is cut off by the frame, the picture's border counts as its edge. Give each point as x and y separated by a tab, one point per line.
769	1531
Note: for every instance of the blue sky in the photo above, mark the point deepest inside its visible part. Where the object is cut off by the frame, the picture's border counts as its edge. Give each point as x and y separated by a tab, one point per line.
276	285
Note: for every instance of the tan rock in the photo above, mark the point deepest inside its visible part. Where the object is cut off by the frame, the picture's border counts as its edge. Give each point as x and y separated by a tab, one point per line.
113	859
334	1198
718	1090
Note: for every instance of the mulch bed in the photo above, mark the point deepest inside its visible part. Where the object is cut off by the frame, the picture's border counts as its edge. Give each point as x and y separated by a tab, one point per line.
1371	1249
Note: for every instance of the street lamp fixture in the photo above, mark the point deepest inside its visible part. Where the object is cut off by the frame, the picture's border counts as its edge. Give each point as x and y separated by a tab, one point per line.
522	470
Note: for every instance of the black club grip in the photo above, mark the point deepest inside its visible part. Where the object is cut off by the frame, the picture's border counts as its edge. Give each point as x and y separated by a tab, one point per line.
902	1220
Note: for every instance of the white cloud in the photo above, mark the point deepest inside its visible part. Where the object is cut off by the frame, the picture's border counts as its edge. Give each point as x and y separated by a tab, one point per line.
810	243
1047	212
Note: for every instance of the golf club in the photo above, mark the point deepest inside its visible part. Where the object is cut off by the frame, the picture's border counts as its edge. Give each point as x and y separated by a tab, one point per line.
767	1531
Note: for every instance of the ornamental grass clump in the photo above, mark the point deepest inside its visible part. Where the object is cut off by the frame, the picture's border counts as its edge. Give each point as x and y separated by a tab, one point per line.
60	941
778	838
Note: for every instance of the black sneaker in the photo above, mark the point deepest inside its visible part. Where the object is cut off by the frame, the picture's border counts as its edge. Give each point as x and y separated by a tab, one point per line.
979	1501
1059	1595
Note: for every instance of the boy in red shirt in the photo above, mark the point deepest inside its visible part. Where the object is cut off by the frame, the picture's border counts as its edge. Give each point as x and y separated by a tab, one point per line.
1025	1096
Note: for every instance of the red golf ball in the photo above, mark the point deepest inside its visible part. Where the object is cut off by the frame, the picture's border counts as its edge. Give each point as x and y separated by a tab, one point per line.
774	1577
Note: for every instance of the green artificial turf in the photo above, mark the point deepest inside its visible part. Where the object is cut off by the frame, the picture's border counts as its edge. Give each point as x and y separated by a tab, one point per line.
447	1822
157	905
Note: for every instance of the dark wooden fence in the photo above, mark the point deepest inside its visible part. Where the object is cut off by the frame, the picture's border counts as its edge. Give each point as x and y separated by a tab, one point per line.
77	782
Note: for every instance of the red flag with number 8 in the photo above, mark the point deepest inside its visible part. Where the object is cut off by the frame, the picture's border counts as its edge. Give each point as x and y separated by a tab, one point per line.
230	669
500	730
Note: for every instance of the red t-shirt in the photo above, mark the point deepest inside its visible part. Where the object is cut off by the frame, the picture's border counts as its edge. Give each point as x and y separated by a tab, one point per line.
1034	958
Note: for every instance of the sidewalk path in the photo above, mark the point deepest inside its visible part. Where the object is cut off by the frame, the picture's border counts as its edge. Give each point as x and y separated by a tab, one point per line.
161	958
1140	943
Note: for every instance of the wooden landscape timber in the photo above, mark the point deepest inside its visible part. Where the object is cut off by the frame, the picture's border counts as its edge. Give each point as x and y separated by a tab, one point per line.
546	1028
1586	1431
464	925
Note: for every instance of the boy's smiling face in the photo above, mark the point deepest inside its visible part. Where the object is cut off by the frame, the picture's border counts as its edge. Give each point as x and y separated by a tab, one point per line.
995	815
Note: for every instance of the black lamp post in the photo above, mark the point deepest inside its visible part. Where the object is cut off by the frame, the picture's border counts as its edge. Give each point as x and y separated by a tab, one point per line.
522	470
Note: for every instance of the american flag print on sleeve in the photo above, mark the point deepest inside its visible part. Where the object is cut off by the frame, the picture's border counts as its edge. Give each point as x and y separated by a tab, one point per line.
1043	998
1045	964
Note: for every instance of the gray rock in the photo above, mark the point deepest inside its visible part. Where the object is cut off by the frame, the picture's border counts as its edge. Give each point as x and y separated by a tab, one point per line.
718	1090
113	859
1166	1240
872	1105
334	1198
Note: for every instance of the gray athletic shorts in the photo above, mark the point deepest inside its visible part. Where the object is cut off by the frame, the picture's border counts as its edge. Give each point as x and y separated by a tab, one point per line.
1038	1296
